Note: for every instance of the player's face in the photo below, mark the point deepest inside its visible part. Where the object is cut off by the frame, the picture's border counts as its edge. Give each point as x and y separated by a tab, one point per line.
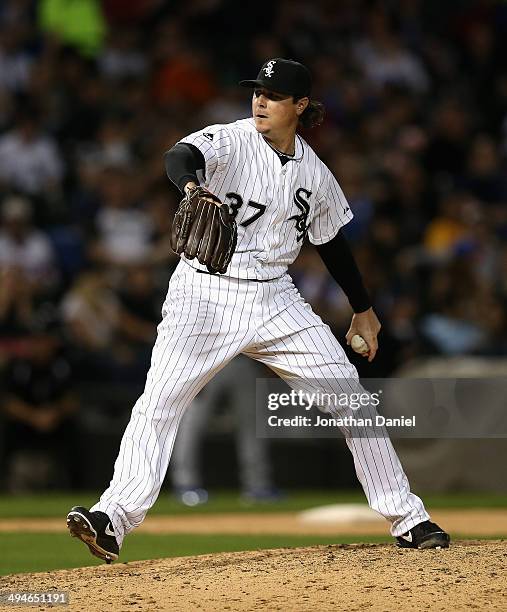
273	112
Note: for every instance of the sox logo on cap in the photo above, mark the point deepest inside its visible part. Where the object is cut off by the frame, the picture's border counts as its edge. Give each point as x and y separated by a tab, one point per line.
268	70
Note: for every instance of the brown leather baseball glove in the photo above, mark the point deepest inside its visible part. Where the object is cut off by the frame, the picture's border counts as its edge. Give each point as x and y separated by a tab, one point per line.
203	227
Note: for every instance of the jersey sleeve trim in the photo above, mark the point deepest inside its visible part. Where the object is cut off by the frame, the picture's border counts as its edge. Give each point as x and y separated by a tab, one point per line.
322	240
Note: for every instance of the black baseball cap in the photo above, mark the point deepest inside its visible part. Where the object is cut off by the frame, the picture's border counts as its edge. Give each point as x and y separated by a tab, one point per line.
283	76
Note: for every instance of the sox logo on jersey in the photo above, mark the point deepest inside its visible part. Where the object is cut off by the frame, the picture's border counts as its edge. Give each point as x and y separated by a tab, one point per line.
210	319
304	207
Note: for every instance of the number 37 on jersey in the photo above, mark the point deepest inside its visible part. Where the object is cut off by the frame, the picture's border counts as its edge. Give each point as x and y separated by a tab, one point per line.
235	202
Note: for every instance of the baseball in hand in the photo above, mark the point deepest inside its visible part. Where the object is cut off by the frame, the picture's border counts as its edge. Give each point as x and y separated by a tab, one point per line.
358	344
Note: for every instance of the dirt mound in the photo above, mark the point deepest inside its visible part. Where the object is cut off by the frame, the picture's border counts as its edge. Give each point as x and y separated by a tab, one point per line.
323	578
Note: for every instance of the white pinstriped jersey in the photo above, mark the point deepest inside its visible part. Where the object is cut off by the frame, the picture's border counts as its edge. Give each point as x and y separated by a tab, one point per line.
209	319
276	206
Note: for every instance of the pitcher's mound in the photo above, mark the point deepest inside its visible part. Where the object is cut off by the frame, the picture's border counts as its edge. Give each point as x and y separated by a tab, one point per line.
338	577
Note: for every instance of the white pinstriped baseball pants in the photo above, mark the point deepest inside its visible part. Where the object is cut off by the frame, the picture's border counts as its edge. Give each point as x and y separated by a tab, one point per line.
207	321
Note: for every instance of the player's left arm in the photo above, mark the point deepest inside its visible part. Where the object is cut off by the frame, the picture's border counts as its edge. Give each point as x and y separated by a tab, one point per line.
340	262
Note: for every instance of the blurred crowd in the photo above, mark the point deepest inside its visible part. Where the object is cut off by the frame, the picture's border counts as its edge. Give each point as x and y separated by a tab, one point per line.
93	92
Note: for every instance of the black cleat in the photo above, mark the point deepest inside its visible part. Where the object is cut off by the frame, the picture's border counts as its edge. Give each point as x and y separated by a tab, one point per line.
95	530
424	535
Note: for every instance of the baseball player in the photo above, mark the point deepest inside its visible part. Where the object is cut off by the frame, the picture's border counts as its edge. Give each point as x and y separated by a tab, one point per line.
254	192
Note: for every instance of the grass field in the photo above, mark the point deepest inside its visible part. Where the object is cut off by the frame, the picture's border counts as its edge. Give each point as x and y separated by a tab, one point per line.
39	552
58	504
29	552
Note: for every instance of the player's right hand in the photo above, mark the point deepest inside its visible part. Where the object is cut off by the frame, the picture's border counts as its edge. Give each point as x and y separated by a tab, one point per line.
367	325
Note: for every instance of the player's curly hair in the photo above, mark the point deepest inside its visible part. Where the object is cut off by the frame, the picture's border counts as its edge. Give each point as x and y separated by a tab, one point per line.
313	114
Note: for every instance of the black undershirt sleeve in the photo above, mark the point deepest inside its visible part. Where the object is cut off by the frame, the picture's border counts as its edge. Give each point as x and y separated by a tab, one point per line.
182	163
340	262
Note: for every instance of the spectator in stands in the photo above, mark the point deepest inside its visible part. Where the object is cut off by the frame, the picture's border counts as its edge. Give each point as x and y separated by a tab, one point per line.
111	145
183	76
123	229
90	311
109	332
142	302
448	229
161	205
29	158
16	313
122	57
445	155
384	59
40	409
25	249
485	177
15	62
140	307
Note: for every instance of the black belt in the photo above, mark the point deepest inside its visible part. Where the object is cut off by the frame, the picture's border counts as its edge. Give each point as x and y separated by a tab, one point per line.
254	280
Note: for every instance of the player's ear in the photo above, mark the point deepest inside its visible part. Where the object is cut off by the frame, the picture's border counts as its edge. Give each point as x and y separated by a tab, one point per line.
301	105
